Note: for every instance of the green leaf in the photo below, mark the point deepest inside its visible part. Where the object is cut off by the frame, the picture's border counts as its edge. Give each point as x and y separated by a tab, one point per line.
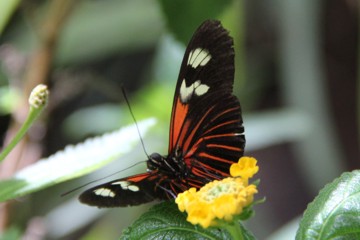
125	23
335	212
7	9
9	99
11	233
73	161
184	16
165	221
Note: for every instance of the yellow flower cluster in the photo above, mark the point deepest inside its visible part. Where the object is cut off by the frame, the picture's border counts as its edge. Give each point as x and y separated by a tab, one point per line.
220	199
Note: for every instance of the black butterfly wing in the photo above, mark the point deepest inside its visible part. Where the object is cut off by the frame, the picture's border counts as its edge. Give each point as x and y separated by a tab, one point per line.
129	191
206	123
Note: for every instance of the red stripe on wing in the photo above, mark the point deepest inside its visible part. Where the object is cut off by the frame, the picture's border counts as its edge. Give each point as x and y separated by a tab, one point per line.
142	176
223	146
205	173
205	155
195	147
177	120
189	138
221	125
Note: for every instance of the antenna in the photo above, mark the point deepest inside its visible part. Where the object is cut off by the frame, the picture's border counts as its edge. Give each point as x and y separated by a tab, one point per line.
133	117
91	182
142	143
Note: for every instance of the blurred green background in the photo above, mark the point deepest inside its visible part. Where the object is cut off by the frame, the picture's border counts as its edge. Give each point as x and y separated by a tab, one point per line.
296	78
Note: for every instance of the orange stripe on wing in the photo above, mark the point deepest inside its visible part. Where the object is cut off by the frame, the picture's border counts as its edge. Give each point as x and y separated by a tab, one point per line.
203	154
193	149
203	174
193	131
221	125
140	177
177	120
211	145
237	108
207	167
220	135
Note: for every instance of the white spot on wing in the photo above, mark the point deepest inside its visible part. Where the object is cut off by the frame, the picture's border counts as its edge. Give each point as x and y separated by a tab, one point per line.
104	192
123	184
201	89
198	57
190	57
187	92
133	188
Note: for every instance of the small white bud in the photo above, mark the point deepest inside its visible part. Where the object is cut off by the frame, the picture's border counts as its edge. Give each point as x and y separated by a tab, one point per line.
39	96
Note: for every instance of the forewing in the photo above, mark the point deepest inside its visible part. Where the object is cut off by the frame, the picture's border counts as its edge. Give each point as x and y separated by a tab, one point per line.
206	124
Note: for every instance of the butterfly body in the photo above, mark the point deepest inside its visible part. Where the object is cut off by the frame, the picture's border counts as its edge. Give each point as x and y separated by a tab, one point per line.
206	132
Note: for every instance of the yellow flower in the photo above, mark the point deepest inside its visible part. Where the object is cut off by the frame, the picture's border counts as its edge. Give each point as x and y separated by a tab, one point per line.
216	200
185	198
220	200
199	212
246	168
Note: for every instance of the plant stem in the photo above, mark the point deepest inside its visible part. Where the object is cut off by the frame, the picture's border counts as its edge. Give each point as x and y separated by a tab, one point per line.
234	229
32	116
37	100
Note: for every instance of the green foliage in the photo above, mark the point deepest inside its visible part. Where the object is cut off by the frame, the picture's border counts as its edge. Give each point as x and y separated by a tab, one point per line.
37	101
335	212
7	8
164	221
183	16
9	99
11	234
125	24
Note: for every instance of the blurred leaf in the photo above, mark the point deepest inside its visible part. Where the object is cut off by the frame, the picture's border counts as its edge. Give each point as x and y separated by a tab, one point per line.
7	8
167	61
282	122
11	234
8	100
95	30
73	161
99	29
286	231
144	103
148	99
184	16
335	212
106	116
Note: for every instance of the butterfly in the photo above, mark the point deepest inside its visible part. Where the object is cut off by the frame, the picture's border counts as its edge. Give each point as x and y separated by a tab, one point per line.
206	128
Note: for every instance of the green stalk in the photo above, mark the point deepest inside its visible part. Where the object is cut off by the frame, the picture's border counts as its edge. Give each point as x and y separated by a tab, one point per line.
37	100
233	228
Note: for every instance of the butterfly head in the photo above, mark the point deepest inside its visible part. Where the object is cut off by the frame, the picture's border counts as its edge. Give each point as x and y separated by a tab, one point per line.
155	161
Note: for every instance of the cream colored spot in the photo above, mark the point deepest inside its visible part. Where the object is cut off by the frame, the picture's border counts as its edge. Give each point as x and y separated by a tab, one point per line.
133	188
187	92
104	192
198	57
126	185
123	184
201	90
